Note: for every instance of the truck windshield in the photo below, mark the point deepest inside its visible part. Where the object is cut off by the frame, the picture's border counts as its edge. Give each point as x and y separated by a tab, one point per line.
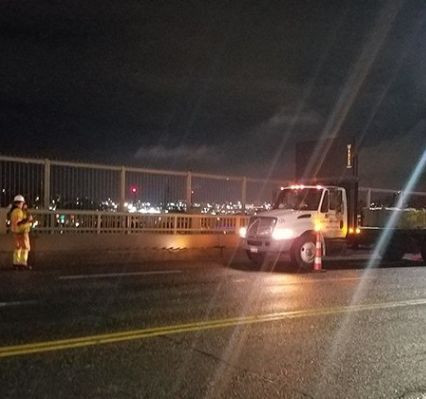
306	199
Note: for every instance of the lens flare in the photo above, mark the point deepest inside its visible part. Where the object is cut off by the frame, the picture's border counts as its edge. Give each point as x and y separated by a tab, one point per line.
344	331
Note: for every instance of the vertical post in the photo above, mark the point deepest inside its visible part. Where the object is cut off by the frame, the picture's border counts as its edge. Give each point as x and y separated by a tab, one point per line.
122	188
51	223
238	224
189	190
175	224
3	217
46	181
368	200
244	194
98	223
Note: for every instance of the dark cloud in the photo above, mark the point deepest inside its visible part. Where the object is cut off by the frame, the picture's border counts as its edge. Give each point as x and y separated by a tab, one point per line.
210	85
391	162
285	117
182	156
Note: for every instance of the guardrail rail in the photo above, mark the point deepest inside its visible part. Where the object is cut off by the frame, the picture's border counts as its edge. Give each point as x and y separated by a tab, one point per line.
81	222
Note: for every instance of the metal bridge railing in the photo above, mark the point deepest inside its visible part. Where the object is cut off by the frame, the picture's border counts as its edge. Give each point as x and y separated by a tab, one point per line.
49	184
80	222
380	197
55	185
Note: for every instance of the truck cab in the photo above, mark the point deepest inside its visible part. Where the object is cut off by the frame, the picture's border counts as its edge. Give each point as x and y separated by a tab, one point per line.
299	212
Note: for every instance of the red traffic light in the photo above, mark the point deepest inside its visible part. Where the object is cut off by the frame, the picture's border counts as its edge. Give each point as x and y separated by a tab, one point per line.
134	189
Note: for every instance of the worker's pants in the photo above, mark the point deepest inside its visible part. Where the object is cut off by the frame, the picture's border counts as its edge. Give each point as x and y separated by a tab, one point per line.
22	249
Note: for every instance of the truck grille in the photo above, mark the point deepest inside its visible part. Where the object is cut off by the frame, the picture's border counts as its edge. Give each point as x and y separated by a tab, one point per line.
261	227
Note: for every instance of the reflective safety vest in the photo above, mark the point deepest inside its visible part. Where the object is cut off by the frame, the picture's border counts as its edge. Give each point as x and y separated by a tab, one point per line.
16	217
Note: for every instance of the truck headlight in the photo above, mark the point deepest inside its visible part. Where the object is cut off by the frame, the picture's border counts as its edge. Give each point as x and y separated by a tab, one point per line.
243	232
282	234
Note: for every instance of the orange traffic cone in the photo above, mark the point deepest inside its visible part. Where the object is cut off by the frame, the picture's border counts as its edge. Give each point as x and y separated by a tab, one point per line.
318	254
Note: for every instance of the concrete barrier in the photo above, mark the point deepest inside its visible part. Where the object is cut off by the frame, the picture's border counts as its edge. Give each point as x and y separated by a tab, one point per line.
80	249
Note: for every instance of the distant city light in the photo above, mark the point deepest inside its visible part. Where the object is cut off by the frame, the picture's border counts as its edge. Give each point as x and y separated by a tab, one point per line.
152	207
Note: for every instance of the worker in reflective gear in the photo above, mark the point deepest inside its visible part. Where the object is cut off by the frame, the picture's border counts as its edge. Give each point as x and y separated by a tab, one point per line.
20	225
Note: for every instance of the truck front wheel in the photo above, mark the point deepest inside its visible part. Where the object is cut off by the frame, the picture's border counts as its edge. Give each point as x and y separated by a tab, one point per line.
303	251
256	257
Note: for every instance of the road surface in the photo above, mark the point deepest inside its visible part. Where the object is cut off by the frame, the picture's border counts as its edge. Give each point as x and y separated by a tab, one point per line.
211	331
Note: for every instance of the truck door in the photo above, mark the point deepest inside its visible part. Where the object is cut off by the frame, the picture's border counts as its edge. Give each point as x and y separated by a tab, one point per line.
334	221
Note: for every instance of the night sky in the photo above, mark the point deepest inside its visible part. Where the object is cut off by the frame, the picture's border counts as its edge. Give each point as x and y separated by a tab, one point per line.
214	86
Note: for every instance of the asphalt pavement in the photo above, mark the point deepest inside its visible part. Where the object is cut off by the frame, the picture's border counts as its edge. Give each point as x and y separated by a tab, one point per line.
207	330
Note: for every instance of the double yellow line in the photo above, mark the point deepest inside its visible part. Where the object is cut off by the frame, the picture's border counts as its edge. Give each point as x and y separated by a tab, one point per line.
101	339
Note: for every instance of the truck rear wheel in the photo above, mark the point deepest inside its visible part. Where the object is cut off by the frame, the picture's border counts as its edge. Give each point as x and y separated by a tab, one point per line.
303	252
393	252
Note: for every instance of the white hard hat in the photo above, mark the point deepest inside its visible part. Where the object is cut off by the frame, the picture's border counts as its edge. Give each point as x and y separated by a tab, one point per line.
19	198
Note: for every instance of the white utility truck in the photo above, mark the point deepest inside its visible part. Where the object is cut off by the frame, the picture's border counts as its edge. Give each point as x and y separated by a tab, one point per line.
300	211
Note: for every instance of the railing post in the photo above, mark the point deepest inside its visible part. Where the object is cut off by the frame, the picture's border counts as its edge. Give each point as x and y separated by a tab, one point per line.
98	226
3	217
238	224
46	181
196	223
244	194
122	188
189	190
368	200
175	220
52	223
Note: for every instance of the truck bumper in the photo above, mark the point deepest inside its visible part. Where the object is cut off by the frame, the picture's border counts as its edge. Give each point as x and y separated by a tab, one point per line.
257	245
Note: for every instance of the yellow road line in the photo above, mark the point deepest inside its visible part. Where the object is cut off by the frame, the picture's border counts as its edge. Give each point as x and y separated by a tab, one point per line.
101	339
